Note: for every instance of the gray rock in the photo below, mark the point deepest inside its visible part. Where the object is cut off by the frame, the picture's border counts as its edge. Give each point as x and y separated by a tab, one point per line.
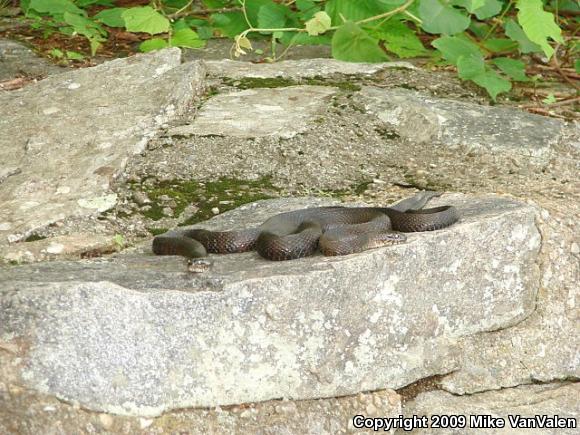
258	112
17	60
71	246
133	336
26	413
560	400
544	347
431	120
298	69
66	138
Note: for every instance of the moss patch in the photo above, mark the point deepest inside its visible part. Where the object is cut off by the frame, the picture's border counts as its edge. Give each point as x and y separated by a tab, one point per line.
34	238
224	194
281	82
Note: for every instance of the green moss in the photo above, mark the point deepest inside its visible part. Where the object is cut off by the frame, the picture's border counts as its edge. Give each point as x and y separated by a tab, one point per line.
281	82
342	84
157	231
34	238
224	193
256	82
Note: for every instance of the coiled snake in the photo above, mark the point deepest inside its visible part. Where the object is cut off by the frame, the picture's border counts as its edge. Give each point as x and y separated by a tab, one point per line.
296	234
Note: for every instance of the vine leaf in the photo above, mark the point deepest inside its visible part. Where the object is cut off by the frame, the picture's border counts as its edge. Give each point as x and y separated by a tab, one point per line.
515	69
538	24
186	38
111	17
318	24
353	10
145	19
353	44
453	47
442	19
473	68
272	16
153	44
516	33
399	39
54	7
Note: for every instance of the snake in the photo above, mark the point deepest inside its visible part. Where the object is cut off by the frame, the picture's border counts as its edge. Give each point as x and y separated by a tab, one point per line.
334	230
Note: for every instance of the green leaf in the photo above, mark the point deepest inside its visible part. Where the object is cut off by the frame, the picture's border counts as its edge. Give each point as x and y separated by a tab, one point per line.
186	38
307	9
469	67
88	28
492	83
550	99
441	19
538	24
84	3
577	65
516	33
56	53
452	47
497	45
253	9
74	55
229	24
84	26
399	39
318	24
111	17
479	29
354	10
473	68
145	19
272	16
55	7
352	44
470	5
153	44
515	69
305	39
489	9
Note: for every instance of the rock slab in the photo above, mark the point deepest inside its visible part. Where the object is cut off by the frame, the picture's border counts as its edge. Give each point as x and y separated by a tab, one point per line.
252	330
64	139
510	405
425	119
282	112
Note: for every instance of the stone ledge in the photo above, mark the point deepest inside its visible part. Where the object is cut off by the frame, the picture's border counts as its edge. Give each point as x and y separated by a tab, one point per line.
137	335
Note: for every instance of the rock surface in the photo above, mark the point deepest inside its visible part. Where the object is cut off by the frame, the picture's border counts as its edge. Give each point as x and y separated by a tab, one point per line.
297	69
53	168
256	113
253	330
345	144
28	413
526	401
426	119
17	60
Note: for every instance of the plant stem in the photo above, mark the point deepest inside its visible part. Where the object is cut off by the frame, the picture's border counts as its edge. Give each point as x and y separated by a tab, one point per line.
498	20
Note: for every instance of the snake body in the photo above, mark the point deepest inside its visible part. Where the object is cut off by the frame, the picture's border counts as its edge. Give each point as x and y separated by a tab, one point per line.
299	233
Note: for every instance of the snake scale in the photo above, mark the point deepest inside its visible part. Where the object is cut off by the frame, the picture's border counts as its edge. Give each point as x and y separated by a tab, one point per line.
334	230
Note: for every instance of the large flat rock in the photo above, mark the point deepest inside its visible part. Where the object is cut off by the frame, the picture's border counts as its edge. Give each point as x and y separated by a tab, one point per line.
558	400
64	139
297	69
422	118
138	335
282	112
17	60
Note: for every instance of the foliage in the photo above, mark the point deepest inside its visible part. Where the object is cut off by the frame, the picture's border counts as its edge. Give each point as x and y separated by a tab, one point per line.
481	38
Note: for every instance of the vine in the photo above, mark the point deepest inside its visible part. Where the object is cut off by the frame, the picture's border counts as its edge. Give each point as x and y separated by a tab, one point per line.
483	39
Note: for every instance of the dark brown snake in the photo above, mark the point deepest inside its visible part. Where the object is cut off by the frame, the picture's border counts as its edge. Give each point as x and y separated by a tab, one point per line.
296	234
